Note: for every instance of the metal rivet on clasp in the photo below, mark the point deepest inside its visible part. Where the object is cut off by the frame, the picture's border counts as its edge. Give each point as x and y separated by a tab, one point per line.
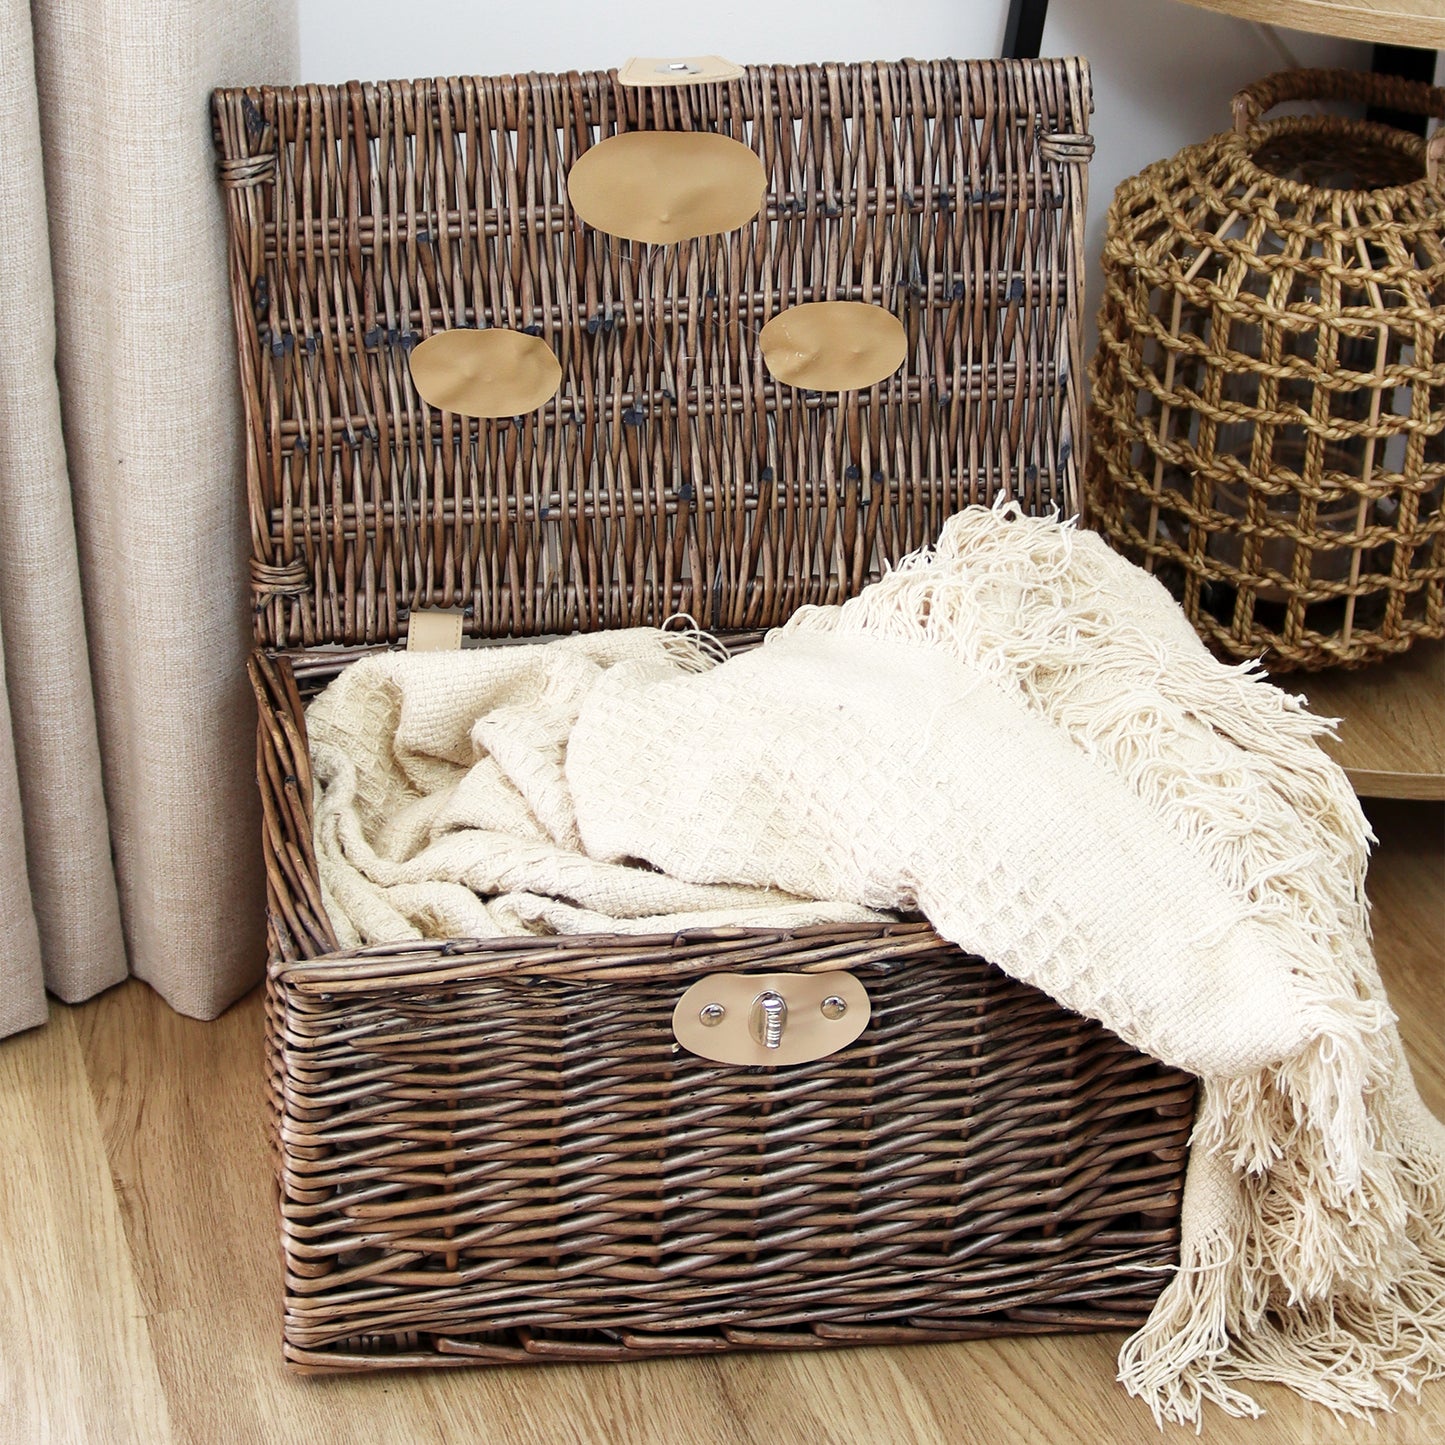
711	1015
834	1007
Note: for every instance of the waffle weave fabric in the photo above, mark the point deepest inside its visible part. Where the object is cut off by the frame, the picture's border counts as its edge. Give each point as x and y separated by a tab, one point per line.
442	808
842	765
1018	734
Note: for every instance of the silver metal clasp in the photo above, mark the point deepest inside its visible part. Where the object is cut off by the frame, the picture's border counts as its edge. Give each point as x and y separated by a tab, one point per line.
770	1018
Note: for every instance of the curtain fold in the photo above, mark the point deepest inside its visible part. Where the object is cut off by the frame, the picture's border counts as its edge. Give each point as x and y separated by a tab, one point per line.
126	728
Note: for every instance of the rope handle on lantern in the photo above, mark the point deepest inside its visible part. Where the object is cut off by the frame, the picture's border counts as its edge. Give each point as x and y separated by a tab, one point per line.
1414	97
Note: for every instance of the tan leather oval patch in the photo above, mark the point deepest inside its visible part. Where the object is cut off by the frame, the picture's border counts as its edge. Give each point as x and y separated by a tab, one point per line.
489	373
667	186
833	345
770	1018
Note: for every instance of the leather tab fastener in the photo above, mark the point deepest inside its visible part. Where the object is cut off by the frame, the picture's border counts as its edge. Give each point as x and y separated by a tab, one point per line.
434	631
649	71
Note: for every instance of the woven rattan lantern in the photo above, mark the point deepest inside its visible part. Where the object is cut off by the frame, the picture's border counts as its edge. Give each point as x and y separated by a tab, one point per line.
1268	415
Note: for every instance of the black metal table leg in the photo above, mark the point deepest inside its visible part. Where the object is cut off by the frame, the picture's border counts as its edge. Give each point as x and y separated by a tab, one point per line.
1023	32
1023	37
1410	64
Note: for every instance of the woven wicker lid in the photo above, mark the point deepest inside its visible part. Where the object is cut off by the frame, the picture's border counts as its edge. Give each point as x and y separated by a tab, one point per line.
671	471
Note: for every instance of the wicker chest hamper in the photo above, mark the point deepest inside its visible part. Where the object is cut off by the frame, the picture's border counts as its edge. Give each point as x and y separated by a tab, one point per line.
496	1151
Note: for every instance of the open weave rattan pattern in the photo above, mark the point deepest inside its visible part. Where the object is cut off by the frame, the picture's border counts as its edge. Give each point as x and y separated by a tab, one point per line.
1268	413
514	1142
671	472
493	1151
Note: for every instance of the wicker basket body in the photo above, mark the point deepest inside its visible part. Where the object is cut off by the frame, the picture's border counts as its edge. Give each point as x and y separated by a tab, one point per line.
1268	413
496	1151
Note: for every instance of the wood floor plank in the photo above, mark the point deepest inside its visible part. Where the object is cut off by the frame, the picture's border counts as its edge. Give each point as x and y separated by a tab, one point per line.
181	1108
221	1366
656	1402
76	1361
140	1284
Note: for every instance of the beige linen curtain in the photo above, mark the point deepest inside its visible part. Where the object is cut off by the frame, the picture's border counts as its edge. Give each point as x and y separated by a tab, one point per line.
127	818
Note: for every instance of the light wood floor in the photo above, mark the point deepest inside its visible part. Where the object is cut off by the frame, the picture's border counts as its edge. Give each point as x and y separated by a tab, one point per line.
139	1280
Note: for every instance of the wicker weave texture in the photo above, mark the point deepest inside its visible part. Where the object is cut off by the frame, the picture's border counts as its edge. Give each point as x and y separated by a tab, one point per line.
1268	415
490	1152
670	472
493	1148
494	1152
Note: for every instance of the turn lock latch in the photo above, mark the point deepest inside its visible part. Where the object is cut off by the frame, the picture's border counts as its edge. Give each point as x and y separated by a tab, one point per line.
770	1018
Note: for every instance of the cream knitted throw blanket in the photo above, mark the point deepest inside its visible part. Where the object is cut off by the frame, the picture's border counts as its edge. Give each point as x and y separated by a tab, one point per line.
1019	735
442	809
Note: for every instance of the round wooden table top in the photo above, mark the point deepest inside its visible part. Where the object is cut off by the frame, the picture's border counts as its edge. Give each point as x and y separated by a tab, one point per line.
1389	22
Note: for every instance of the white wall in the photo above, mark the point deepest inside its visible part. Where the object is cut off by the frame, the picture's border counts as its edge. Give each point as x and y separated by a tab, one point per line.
1164	75
379	39
1163	72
